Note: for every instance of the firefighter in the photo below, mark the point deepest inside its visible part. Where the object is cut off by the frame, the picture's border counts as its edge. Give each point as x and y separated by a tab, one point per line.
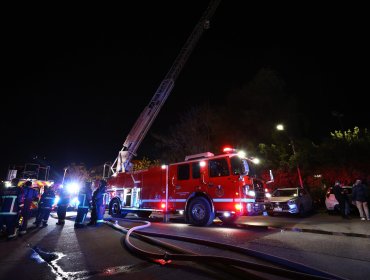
84	198
11	203
45	206
98	204
62	205
29	195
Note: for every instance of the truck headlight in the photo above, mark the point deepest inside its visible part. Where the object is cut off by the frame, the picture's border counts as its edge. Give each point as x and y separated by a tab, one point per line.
73	187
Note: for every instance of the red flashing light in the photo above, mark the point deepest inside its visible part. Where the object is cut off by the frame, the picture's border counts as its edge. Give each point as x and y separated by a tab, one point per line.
228	149
163	205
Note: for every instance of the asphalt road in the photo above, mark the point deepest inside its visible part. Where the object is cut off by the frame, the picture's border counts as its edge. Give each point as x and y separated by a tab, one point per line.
324	242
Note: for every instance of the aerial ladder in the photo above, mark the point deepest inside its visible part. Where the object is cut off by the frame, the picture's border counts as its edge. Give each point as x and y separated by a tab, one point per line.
123	161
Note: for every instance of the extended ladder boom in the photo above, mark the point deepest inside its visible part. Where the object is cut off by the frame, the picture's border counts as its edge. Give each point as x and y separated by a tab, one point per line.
150	112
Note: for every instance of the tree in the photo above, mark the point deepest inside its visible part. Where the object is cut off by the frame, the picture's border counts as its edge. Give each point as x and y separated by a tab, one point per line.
194	133
345	155
144	163
252	110
77	173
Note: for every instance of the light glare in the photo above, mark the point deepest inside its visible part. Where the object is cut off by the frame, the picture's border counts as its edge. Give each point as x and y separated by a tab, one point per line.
280	127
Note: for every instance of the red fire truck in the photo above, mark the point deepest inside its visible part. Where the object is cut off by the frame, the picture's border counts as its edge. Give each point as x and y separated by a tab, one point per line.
202	187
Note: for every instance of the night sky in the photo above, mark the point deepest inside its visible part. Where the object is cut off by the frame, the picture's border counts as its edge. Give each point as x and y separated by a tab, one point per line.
74	79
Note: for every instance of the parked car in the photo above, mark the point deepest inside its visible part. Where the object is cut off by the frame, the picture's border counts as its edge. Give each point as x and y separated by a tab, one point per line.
290	200
331	203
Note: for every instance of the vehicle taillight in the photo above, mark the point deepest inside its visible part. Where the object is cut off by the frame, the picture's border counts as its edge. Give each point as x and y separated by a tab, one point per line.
238	207
163	205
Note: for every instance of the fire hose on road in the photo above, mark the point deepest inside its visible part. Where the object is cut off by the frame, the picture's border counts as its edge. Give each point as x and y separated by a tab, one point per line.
290	270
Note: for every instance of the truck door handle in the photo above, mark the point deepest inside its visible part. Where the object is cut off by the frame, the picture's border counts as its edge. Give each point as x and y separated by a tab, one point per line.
203	181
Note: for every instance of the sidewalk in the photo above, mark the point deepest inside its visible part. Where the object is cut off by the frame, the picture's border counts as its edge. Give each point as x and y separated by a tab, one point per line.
320	222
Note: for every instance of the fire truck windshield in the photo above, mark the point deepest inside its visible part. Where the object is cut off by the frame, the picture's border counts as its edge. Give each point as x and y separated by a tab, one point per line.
239	166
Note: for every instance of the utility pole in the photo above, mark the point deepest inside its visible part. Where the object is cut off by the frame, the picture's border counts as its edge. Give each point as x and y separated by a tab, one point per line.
298	170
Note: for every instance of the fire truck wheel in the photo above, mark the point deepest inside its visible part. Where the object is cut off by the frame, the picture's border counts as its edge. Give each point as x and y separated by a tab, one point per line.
115	208
200	212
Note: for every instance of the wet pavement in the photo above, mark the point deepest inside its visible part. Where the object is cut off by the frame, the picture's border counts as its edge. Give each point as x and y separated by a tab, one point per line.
63	252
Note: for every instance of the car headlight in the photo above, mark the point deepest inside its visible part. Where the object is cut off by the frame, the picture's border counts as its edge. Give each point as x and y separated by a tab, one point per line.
291	202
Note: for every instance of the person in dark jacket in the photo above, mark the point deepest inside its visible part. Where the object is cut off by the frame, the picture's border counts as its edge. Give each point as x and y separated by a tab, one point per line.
11	203
360	195
98	204
45	206
29	195
84	198
62	205
341	198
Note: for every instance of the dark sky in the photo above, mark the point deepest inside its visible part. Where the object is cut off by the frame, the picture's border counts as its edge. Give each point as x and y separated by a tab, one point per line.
74	79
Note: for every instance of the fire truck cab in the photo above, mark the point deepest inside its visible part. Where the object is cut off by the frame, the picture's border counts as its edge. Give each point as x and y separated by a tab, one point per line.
202	187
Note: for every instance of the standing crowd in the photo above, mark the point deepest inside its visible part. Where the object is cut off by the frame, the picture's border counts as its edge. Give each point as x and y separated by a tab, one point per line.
15	206
360	198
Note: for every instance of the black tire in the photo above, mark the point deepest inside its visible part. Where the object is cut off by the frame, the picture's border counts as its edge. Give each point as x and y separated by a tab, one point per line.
144	214
200	212
115	208
302	211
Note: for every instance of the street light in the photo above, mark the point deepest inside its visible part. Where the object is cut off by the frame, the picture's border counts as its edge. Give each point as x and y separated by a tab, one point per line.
280	127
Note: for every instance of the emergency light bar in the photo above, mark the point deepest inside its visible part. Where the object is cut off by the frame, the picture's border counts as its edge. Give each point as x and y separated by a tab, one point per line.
228	150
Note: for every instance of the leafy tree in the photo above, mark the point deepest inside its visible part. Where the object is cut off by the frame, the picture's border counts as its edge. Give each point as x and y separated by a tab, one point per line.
96	173
345	156
77	173
194	133
145	163
253	110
